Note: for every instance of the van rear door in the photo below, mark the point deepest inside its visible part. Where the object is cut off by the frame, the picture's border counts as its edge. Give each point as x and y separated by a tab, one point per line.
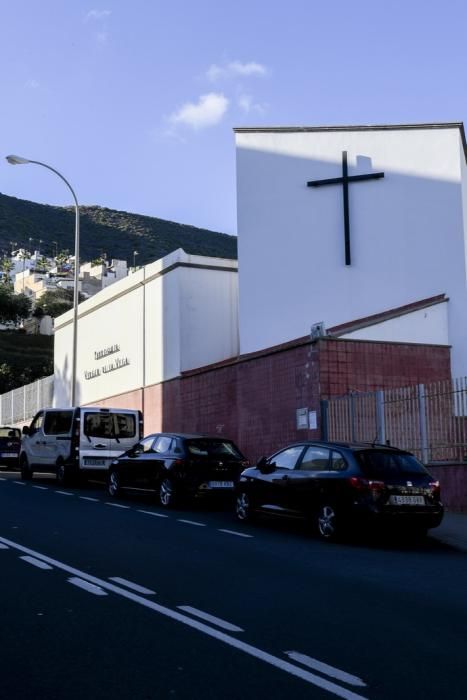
105	434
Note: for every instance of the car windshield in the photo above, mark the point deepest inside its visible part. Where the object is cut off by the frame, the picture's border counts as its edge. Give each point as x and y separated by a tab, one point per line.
379	464
210	447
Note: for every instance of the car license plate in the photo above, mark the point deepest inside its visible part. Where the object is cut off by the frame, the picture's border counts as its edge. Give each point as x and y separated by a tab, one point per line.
407	500
8	454
91	462
220	484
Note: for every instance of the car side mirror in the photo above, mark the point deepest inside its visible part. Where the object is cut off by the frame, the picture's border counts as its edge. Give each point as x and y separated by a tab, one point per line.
25	429
265	467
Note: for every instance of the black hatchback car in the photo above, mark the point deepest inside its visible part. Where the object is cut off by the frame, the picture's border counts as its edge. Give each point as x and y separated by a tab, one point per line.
10	443
338	485
178	465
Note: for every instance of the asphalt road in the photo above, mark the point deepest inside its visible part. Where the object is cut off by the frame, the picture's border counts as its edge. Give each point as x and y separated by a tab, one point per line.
121	599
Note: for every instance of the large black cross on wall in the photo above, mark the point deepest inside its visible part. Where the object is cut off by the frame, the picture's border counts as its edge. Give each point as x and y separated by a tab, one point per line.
344	181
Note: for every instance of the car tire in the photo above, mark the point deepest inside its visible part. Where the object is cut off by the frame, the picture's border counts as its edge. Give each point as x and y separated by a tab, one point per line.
26	471
243	508
113	484
328	522
167	495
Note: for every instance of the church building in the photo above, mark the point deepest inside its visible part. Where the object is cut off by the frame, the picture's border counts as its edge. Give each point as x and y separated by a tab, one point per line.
352	275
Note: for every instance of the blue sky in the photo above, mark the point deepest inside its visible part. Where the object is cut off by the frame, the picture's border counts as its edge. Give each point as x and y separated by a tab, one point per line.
134	102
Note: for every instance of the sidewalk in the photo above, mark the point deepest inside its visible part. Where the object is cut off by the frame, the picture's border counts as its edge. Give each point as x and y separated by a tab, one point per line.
452	531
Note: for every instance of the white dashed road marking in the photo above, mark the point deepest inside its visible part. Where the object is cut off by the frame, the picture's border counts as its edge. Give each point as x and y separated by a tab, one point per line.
42	488
222	637
325	668
36	562
86	586
191	522
210	618
20	483
88	498
116	505
232	532
151	512
3	546
65	493
133	586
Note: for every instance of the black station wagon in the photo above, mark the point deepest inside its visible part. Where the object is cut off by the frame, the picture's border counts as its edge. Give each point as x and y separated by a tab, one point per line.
177	465
338	485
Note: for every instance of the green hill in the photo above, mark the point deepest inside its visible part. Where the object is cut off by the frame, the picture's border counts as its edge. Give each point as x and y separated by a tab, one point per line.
116	233
24	358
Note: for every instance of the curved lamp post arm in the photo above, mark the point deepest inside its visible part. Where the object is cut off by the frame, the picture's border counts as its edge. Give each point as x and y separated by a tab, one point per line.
18	160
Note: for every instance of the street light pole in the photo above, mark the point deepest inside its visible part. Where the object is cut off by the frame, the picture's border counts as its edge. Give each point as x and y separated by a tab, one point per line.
18	160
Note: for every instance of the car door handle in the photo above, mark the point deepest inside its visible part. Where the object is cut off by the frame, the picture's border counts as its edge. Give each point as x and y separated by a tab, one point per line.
99	446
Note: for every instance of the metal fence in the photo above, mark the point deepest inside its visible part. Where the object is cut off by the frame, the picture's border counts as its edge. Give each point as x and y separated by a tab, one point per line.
20	405
428	419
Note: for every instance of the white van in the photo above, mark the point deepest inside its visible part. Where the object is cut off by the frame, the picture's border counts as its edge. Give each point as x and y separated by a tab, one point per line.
74	441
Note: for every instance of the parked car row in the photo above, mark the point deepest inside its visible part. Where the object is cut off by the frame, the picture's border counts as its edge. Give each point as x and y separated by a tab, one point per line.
334	485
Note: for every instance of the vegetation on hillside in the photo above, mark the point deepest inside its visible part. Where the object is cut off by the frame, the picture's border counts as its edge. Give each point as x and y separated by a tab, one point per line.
103	231
24	358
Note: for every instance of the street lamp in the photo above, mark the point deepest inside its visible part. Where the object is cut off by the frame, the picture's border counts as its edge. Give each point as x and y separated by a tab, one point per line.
18	160
135	253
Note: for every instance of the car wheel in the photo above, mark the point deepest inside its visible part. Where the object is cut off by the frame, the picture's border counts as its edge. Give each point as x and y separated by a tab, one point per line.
26	471
166	493
327	522
114	484
243	509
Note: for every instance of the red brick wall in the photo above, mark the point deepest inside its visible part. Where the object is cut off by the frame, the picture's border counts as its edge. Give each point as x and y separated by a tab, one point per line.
253	399
347	365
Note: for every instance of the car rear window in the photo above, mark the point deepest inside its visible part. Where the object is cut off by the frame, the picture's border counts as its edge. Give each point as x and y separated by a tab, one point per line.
10	433
204	447
378	464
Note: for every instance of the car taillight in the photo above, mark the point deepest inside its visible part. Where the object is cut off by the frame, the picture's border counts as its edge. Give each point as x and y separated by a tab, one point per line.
435	489
361	484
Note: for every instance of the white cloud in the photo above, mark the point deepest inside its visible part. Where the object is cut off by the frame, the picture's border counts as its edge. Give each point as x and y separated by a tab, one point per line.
208	111
97	14
235	69
32	84
248	105
102	37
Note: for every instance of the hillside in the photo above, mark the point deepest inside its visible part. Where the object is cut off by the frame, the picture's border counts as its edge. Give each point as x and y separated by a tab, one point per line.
116	233
24	358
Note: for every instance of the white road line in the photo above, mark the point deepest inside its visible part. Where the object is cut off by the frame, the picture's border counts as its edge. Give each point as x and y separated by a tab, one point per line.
116	505
2	478
85	585
133	586
36	562
210	618
88	498
151	512
233	642
191	522
232	532
64	493
42	488
325	668
3	546
20	483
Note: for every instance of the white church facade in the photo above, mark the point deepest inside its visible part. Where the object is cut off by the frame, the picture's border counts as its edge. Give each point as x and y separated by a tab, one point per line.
406	232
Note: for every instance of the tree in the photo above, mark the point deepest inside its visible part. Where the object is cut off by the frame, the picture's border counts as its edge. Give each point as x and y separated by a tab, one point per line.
5	267
55	302
13	307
